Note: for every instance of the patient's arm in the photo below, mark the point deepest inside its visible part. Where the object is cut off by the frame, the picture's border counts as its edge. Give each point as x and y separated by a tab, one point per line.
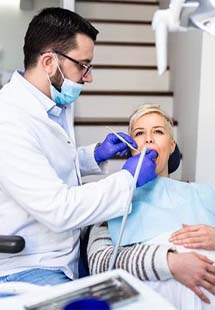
147	262
152	262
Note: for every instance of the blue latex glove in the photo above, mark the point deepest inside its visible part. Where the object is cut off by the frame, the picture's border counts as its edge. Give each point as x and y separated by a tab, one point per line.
147	171
111	146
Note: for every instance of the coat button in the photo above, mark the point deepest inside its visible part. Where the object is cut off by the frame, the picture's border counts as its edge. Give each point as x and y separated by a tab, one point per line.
69	142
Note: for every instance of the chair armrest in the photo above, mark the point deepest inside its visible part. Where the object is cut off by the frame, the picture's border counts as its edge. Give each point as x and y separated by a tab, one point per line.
11	244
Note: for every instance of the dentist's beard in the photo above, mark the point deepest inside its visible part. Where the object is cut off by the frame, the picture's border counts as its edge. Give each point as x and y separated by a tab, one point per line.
57	80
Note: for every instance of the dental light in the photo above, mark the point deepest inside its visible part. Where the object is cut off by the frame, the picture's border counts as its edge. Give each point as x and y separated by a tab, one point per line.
181	15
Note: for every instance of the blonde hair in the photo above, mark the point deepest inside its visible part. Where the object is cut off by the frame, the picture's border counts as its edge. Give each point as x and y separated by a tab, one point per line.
148	109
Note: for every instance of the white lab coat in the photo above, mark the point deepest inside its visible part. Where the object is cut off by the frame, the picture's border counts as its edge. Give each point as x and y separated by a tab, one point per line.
39	196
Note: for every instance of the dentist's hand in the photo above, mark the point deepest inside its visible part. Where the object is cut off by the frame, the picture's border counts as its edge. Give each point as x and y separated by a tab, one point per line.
111	146
147	171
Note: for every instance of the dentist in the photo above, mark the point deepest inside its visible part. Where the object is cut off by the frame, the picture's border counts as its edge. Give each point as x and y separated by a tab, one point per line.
41	196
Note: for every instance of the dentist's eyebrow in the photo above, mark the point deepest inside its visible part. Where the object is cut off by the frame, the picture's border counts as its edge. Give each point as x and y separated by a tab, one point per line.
86	60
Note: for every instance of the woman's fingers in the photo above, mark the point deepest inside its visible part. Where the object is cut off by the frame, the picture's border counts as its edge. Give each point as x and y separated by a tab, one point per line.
195	237
186	229
185	233
193	245
207	283
210	279
195	242
200	293
200	272
211	269
207	260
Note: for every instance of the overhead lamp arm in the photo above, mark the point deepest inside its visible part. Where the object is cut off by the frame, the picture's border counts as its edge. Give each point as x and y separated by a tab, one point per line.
169	20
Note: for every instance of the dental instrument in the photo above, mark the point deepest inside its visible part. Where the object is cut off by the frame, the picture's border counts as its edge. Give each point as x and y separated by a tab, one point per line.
122	139
124	219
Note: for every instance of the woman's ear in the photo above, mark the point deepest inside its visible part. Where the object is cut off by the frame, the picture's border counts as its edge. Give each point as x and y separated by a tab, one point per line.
172	147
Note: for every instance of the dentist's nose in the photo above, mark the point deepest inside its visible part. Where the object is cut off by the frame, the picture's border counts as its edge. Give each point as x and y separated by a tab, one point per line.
88	78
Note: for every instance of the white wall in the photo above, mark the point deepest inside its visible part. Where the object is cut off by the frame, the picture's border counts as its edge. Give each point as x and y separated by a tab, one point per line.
185	63
13	25
192	65
205	171
68	4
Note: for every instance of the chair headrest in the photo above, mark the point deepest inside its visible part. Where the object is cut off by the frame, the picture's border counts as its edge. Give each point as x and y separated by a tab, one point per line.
174	160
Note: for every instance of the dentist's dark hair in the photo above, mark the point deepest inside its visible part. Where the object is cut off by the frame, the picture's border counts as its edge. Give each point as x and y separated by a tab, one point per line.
54	29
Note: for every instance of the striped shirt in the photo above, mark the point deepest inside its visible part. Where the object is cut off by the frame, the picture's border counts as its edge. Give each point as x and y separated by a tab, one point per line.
146	262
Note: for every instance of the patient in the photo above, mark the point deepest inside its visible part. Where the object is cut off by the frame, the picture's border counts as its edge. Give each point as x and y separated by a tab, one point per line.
159	208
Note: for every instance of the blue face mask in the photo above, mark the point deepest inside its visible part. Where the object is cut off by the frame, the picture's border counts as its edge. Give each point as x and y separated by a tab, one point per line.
70	91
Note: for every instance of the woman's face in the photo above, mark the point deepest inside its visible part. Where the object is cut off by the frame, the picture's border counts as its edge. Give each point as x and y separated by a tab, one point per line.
152	130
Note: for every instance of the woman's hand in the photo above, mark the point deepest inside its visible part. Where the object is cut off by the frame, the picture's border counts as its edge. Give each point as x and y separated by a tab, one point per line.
195	237
194	271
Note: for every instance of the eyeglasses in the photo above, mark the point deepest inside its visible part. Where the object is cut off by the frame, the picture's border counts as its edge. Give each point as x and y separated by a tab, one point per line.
88	68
